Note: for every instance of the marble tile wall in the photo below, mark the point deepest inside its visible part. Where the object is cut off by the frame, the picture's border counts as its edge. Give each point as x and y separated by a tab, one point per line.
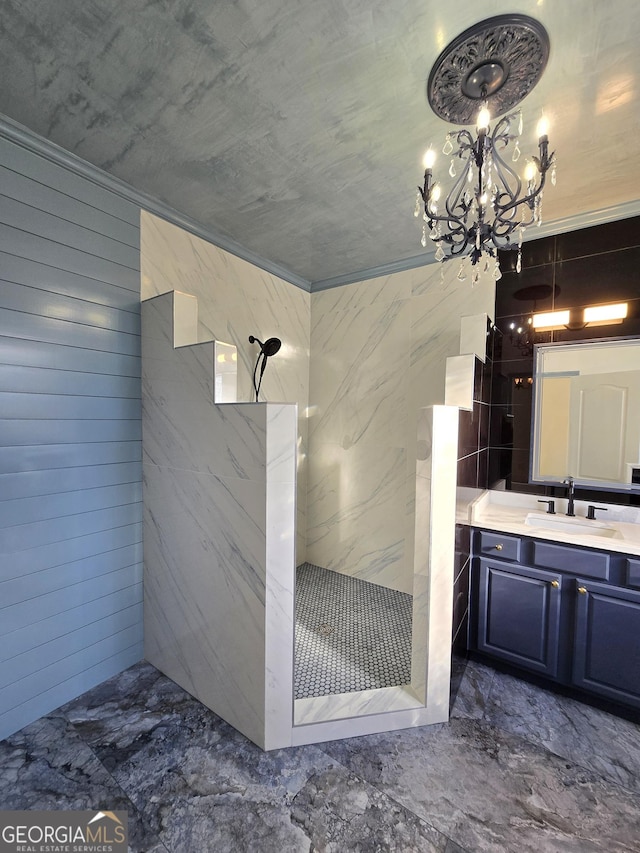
377	360
378	355
219	534
235	300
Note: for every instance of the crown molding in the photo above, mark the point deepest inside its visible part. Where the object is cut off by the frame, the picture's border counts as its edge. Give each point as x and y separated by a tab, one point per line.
23	136
548	229
26	138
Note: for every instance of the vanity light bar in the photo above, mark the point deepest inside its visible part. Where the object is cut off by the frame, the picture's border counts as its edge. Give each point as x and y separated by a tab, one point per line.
598	315
595	315
551	320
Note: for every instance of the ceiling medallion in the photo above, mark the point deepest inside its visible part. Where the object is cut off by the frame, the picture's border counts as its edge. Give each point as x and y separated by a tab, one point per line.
485	71
499	60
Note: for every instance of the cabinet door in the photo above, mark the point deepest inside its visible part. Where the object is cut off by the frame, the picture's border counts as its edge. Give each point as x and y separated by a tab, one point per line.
606	655
519	615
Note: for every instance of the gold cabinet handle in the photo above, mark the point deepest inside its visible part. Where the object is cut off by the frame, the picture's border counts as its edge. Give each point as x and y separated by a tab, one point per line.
555	584
582	589
498	547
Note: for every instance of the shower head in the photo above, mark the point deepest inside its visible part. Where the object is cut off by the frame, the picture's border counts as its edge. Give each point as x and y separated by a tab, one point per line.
269	347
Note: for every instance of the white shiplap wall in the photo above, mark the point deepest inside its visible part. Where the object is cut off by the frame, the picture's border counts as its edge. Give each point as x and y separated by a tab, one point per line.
70	433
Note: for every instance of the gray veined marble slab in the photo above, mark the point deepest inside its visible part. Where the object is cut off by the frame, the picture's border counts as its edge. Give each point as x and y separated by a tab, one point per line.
473	690
201	785
48	766
580	733
191	782
493	791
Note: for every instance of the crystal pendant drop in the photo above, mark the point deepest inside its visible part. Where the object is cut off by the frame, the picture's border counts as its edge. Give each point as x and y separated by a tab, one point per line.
474	278
486	265
519	124
553	175
470	174
424	236
433	234
497	272
416	211
452	169
462	276
519	261
516	153
439	255
447	148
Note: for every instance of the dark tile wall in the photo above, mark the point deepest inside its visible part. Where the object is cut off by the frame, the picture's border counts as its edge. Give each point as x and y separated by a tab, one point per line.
586	267
473	435
473	460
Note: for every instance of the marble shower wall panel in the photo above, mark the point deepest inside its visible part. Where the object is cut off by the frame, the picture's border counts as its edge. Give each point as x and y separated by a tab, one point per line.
219	510
280	576
205	590
358	375
436	462
237	299
378	355
179	416
439	301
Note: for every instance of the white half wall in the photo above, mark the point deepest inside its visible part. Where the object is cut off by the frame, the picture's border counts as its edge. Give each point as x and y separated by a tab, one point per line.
219	536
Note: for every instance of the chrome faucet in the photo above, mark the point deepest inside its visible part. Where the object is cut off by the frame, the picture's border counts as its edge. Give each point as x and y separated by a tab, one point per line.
570	490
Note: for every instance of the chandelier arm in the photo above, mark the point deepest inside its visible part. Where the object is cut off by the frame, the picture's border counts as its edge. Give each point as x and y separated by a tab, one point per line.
512	206
505	211
464	140
457	210
501	165
454	200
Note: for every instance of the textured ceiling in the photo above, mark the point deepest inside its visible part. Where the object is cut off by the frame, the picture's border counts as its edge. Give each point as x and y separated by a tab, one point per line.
297	128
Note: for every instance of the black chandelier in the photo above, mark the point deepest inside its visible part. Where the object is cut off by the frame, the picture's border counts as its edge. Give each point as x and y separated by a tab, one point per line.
490	67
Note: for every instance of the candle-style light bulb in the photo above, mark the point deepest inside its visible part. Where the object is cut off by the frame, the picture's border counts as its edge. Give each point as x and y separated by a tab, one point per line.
429	158
483	119
435	193
542	128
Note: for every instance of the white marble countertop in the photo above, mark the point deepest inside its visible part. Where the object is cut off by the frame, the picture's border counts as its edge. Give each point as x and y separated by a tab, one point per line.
507	512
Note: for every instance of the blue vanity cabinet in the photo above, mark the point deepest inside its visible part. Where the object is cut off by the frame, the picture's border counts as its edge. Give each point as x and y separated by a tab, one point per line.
519	615
567	613
606	654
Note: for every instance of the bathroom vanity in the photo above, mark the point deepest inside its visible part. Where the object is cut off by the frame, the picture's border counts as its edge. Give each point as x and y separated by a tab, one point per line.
558	596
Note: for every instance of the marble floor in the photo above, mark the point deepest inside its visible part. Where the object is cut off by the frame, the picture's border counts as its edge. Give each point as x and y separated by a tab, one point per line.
515	769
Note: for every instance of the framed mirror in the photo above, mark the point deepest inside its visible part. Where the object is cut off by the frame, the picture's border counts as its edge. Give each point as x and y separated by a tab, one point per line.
586	414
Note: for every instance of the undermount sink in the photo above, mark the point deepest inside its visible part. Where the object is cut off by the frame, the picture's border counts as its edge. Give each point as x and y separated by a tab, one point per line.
567	524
